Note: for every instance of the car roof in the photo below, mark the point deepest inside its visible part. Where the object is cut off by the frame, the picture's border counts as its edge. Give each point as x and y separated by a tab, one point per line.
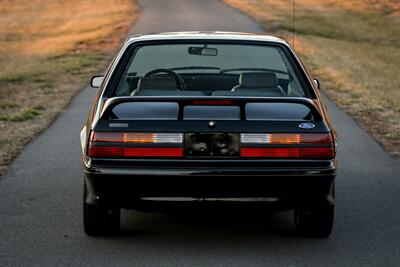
207	35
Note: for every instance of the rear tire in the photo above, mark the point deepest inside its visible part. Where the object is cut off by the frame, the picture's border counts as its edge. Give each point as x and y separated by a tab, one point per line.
315	221
99	220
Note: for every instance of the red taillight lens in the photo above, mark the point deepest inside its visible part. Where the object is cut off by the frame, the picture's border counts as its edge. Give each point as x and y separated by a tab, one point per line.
117	144
292	152
105	152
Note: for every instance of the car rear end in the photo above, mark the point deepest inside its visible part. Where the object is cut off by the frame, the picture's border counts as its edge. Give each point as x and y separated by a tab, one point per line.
147	149
212	118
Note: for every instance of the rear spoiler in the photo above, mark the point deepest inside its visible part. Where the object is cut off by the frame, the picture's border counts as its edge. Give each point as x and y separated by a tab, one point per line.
186	100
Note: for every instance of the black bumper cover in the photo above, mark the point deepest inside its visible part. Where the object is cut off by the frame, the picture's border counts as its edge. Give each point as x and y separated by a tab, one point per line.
123	183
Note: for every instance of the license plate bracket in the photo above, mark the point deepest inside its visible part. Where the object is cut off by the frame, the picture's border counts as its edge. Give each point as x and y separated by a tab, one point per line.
212	145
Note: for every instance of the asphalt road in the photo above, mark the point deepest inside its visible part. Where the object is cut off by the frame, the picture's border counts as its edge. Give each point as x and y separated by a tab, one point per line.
40	198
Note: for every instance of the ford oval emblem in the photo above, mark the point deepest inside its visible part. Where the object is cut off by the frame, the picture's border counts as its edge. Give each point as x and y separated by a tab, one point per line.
306	125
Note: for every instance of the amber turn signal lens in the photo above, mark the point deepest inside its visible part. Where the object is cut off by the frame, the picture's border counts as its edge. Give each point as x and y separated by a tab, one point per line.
286	138
175	138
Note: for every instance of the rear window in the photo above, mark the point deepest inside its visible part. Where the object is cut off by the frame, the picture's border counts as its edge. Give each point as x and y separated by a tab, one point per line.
209	70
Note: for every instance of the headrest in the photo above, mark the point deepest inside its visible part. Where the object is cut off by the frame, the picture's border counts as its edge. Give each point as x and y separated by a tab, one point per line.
254	80
157	83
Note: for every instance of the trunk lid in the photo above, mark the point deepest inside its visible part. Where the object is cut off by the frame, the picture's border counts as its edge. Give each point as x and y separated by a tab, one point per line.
214	127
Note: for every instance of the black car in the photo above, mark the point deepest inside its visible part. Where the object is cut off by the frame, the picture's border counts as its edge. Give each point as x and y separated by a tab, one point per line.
207	117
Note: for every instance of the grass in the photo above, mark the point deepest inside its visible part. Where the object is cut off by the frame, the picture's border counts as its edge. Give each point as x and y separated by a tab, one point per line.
48	51
353	47
23	115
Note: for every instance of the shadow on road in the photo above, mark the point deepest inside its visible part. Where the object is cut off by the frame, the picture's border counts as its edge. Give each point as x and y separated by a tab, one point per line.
209	226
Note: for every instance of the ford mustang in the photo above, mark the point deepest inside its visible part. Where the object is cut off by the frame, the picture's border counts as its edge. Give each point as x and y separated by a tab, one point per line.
207	117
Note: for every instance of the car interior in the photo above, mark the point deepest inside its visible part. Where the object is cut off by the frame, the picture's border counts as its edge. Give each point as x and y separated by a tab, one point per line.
264	84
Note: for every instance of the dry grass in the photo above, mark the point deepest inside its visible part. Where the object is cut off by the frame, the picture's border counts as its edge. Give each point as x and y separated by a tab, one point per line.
353	47
48	49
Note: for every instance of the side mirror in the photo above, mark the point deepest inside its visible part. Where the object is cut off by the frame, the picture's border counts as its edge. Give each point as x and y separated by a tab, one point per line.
96	81
316	82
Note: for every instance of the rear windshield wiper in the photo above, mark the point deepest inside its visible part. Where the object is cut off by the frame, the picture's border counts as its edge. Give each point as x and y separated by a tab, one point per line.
252	69
195	68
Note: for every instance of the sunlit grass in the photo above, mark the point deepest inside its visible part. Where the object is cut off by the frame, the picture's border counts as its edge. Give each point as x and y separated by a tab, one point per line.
48	50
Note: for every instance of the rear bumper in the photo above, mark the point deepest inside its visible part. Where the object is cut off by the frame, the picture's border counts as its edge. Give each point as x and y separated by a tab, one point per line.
295	182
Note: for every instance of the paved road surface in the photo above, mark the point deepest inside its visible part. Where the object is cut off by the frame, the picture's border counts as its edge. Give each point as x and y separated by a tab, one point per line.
40	203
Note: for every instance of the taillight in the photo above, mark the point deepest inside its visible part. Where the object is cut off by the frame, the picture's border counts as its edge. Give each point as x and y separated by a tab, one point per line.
117	144
287	145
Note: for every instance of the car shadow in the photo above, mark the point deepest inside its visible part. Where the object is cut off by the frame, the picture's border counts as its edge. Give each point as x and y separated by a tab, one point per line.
215	225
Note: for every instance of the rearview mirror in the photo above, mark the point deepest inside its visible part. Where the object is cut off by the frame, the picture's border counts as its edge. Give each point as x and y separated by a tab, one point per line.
316	82
96	81
203	51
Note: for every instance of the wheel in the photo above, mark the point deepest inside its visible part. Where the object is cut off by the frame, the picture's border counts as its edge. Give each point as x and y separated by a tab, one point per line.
315	222
99	220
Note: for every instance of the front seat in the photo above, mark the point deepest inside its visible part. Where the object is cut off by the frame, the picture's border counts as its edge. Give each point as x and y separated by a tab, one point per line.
258	84
155	86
